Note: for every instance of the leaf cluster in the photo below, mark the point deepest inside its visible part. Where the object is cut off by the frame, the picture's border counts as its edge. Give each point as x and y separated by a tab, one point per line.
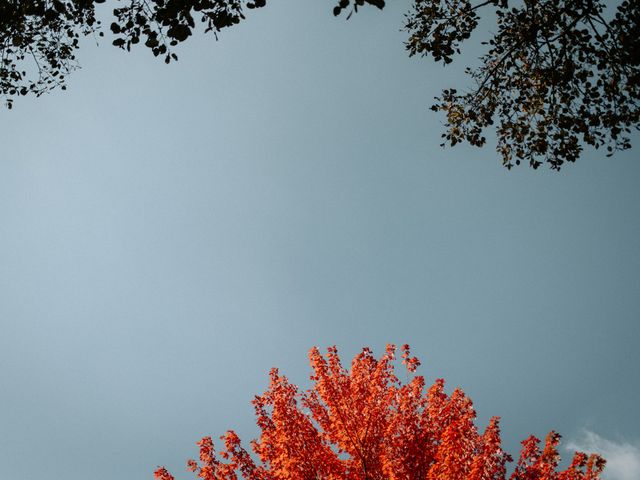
163	24
38	43
39	38
353	6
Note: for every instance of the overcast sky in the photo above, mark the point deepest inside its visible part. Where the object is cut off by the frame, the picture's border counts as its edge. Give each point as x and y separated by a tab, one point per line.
169	233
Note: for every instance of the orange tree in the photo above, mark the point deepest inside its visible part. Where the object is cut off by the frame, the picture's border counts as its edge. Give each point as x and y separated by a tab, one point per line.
364	424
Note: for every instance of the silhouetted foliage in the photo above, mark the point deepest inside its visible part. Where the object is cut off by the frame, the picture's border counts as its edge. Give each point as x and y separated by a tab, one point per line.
45	32
557	74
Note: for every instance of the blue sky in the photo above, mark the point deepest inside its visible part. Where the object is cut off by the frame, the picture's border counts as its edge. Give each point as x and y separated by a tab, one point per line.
169	233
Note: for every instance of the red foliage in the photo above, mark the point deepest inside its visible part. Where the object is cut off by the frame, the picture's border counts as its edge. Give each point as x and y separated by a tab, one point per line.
364	424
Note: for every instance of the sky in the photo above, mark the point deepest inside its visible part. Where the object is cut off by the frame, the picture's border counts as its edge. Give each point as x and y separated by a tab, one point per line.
170	233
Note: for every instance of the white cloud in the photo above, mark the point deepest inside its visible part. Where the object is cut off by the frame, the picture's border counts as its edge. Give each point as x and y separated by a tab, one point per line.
623	459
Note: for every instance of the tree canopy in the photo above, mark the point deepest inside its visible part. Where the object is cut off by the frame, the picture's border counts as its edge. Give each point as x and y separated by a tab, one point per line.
557	74
364	424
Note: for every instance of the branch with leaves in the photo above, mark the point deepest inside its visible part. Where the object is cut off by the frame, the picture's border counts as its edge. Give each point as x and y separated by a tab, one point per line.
557	76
